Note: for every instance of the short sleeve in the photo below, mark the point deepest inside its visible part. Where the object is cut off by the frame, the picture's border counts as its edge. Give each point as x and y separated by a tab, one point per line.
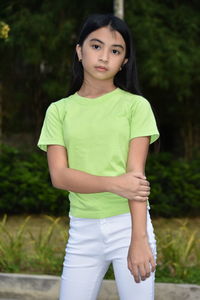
143	122
52	132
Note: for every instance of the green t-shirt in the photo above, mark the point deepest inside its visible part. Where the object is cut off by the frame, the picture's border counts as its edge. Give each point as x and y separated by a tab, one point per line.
96	133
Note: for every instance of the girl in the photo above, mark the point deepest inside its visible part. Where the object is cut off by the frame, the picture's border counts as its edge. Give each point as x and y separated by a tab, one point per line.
97	142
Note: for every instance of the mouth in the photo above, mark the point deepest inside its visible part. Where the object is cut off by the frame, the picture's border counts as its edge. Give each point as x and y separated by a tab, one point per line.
101	69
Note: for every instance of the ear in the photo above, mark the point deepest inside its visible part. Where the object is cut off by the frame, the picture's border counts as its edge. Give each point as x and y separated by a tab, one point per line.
79	52
125	61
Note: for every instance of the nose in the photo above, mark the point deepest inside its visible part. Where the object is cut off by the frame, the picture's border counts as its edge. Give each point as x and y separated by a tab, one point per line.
104	56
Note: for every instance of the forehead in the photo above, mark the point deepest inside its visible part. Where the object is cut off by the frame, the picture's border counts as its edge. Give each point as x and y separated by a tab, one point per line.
106	35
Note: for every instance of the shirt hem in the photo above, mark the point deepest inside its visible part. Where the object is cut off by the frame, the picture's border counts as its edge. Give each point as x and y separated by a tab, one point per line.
98	215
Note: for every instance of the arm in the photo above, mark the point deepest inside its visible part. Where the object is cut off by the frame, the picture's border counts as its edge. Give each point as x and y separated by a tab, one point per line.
66	178
140	254
127	185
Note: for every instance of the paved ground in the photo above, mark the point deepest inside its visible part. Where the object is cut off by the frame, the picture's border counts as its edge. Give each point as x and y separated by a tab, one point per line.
44	287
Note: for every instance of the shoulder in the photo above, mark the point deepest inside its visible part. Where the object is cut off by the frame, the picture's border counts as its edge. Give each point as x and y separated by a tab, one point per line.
62	103
134	100
59	107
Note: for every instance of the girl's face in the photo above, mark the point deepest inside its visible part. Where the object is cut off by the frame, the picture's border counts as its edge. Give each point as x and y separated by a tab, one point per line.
102	54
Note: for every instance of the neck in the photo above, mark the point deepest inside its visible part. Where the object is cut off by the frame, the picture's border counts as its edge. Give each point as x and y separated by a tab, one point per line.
95	88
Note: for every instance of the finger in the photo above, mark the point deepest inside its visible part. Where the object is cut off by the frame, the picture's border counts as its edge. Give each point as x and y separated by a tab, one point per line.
147	269
146	188
136	274
142	272
129	266
144	182
153	264
144	193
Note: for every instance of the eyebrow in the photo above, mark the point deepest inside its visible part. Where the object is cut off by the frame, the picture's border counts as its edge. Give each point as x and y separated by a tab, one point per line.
115	45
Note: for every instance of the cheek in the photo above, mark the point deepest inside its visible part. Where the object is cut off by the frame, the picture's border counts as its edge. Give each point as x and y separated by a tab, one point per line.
88	57
118	63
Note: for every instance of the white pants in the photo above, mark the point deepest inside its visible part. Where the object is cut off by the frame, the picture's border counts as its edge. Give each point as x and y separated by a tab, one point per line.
92	245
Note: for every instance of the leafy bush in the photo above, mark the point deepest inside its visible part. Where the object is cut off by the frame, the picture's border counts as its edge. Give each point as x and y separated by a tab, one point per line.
175	185
25	185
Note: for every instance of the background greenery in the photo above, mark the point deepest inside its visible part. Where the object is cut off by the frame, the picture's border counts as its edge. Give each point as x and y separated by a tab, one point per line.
37	39
25	185
36	244
36	63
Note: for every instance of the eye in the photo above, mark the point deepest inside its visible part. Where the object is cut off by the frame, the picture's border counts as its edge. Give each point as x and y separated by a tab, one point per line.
115	51
95	46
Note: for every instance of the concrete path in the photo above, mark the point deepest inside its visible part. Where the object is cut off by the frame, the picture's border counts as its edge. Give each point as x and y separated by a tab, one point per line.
44	287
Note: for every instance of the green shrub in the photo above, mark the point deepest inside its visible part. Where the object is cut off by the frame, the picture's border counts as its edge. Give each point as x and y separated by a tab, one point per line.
175	185
25	185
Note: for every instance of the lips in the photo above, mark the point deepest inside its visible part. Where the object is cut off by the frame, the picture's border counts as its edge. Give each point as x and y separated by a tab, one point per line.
101	68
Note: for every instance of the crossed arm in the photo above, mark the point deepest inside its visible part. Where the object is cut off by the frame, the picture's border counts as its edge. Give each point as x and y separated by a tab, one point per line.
128	185
131	185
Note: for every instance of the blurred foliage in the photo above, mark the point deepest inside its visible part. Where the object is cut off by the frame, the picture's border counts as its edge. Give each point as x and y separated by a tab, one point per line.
11	247
178	255
167	39
38	254
4	30
25	185
36	62
175	185
36	58
36	246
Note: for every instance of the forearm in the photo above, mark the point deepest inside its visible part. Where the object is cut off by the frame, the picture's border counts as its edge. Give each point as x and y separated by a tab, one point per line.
63	177
139	219
81	182
138	212
136	162
140	256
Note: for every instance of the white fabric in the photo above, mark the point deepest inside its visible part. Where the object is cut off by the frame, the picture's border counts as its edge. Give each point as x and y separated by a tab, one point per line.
92	245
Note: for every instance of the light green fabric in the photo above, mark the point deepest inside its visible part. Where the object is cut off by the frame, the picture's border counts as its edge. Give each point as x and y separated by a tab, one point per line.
96	133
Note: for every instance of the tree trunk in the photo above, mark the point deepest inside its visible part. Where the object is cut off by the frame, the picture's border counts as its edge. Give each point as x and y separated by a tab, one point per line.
191	139
119	8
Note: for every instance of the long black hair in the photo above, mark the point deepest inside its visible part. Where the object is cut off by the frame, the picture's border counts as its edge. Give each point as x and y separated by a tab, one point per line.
127	78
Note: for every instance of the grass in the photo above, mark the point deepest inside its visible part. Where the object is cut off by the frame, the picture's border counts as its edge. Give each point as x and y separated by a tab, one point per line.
33	244
36	245
178	250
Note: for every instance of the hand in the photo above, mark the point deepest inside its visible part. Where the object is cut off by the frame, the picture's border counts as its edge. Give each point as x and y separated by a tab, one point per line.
132	186
140	259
